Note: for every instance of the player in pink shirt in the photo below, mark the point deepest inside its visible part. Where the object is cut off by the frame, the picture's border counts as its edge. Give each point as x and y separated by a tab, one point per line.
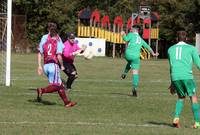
51	47
71	49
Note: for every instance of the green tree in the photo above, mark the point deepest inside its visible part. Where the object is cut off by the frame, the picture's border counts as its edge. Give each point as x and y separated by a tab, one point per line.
179	15
65	13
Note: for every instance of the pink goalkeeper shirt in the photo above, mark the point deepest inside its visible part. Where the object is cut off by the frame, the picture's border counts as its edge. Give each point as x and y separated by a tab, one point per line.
68	50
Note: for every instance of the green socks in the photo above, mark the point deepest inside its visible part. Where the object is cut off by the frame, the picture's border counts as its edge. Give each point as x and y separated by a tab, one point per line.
135	80
179	107
195	109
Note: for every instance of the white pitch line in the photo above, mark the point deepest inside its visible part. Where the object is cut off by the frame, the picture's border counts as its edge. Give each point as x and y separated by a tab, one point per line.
83	124
96	80
92	80
89	95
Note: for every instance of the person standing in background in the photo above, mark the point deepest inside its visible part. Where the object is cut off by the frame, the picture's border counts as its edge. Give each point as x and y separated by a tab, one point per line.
181	57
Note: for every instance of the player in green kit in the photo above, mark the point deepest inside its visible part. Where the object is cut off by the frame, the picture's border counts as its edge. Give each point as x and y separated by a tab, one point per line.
181	57
132	55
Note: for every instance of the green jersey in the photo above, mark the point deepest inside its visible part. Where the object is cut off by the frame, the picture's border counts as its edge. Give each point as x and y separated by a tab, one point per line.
135	42
181	57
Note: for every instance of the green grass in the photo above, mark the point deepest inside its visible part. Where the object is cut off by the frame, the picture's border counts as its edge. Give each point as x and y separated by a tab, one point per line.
103	105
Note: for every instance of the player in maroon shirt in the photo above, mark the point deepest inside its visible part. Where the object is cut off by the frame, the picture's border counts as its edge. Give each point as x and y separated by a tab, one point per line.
51	47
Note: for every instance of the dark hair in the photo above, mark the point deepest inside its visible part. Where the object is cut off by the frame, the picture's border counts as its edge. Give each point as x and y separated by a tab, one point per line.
136	26
70	35
182	35
52	28
139	28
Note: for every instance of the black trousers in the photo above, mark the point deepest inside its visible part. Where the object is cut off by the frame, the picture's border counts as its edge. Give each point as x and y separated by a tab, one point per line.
71	72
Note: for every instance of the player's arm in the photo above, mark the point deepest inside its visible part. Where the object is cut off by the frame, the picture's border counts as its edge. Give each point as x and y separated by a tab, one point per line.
39	57
171	88
169	62
59	57
195	57
145	45
59	52
79	50
125	37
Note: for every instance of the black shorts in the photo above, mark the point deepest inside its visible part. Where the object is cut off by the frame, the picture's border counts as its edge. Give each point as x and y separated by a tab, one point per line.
69	68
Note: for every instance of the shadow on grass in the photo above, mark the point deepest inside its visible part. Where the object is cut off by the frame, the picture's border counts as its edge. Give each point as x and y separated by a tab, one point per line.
122	94
160	123
32	89
42	102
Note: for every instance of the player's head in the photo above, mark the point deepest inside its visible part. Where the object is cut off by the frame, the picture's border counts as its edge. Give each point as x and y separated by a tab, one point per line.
71	37
52	28
136	28
181	35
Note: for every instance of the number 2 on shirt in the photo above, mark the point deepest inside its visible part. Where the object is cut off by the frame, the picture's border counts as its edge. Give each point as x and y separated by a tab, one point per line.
178	53
49	49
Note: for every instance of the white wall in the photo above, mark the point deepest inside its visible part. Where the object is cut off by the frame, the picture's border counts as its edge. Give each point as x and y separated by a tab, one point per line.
97	45
198	42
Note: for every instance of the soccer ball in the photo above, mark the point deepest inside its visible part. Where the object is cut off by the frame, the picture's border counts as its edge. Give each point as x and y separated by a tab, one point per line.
88	54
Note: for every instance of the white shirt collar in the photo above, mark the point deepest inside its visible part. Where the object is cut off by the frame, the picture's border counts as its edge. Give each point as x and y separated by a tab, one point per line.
135	32
180	43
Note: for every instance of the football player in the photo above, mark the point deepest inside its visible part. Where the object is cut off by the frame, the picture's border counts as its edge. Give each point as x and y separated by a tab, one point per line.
51	47
181	57
71	49
132	55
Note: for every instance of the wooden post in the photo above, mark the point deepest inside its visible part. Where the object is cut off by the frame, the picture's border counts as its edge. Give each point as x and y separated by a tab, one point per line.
157	25
198	42
113	52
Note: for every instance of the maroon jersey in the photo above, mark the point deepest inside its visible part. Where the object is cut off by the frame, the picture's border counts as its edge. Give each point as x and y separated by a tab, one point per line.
50	47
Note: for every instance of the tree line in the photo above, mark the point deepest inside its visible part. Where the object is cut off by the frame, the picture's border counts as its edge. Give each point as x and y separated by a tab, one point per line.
174	14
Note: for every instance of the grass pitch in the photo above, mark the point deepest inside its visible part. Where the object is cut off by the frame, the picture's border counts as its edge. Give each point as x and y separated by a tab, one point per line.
104	107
